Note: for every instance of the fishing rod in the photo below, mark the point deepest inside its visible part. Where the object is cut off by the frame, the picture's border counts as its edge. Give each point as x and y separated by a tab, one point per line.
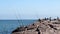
17	16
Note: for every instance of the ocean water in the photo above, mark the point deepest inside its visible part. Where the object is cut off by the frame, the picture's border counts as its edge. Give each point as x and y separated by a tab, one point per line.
7	26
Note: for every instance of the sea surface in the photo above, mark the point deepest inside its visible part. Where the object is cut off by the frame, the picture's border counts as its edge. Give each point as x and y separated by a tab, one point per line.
7	26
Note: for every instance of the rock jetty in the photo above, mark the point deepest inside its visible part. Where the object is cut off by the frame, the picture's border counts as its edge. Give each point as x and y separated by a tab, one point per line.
41	26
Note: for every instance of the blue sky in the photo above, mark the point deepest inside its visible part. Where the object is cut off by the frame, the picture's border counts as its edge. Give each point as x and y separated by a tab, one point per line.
29	9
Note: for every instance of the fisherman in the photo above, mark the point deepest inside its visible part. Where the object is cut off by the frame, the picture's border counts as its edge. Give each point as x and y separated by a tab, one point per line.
50	18
57	18
39	20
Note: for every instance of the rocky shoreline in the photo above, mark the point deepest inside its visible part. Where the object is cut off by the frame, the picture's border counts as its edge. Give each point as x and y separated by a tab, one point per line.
41	26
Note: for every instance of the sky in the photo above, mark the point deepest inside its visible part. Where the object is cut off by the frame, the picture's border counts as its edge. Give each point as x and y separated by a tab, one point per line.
29	9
